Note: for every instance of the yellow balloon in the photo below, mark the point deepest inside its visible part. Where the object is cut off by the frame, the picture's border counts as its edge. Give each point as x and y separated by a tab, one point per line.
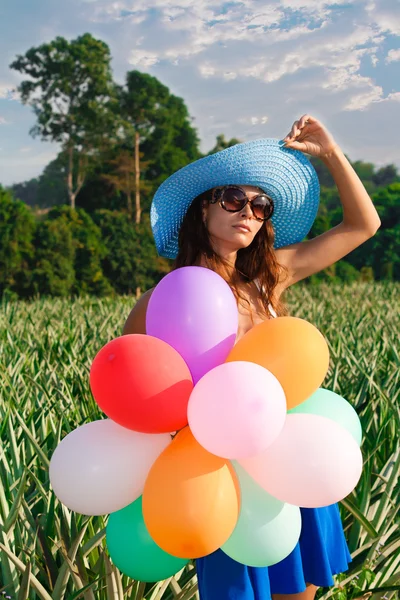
290	348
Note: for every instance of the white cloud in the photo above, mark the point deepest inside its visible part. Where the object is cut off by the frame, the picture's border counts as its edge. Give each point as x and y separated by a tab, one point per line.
386	15
241	60
143	58
229	75
8	92
393	55
205	23
207	70
3	121
25	149
364	99
338	54
394	96
252	39
253	120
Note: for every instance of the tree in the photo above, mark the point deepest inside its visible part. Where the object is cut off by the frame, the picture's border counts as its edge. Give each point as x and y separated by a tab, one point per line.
140	101
124	179
131	263
365	170
47	190
157	123
386	175
53	272
387	203
89	250
17	228
73	97
221	144
26	191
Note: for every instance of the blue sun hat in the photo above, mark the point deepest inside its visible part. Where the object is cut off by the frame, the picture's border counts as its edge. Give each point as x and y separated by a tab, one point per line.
284	174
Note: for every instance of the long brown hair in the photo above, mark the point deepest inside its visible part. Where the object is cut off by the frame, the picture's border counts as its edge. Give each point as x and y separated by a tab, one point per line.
257	261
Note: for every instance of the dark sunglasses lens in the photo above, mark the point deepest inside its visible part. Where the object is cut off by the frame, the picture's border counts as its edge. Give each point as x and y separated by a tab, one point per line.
262	207
233	199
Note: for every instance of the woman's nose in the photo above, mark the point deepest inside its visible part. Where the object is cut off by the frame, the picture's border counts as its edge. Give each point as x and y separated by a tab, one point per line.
246	211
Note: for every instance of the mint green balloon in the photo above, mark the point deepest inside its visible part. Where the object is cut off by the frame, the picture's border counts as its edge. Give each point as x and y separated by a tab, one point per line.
133	551
329	404
267	530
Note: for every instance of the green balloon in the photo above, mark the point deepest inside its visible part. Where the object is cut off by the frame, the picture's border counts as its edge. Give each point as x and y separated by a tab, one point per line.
133	551
267	530
328	404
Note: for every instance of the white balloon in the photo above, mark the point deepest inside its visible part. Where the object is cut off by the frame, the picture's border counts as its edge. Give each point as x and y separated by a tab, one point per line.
101	467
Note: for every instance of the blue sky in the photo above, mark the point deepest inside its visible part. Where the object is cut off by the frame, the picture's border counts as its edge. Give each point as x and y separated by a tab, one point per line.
245	68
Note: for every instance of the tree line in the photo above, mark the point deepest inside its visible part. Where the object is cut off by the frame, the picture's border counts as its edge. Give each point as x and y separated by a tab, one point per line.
83	225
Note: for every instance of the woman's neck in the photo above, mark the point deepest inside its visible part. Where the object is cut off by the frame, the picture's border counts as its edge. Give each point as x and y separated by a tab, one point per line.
229	264
228	256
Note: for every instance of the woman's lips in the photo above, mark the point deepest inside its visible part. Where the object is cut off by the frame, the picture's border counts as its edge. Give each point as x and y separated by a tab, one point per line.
242	228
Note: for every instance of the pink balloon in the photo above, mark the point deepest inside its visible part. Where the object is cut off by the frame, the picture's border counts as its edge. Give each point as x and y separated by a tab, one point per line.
314	462
194	310
237	409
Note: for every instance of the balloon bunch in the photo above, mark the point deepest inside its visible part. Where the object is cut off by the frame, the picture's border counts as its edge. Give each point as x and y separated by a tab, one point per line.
256	437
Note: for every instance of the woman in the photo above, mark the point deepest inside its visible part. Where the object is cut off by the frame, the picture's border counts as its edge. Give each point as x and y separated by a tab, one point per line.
242	212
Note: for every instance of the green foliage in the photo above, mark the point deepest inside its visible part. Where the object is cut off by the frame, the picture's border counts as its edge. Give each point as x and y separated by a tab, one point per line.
386	176
89	250
17	227
131	261
340	271
371	179
74	84
167	138
379	257
123	178
50	189
53	271
346	272
387	202
73	96
66	252
221	144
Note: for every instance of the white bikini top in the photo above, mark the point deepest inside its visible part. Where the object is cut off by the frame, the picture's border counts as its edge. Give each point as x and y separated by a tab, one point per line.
273	313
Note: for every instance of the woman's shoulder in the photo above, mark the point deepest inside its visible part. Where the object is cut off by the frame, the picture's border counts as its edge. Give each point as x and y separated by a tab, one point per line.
136	321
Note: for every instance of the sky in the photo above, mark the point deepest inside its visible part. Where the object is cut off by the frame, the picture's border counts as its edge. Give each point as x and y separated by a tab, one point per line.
247	69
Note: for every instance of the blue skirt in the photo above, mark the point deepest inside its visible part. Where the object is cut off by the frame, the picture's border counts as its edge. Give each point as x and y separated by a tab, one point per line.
320	553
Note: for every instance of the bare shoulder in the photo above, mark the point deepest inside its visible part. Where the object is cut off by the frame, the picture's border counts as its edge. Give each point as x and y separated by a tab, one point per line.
136	321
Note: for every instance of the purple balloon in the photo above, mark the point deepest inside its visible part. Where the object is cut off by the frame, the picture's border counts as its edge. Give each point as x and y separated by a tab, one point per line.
194	310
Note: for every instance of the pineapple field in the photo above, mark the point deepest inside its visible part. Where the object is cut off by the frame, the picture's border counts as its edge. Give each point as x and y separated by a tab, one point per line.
48	552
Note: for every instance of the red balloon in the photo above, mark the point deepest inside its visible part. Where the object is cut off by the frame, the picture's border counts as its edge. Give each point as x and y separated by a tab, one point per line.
142	383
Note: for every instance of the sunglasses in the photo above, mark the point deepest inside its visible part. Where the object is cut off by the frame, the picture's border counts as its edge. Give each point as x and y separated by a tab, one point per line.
232	198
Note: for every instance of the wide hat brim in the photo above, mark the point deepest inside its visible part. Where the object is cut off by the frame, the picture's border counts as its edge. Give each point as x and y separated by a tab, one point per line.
286	175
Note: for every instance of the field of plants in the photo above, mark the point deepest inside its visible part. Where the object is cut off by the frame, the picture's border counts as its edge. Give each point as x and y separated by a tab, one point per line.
46	347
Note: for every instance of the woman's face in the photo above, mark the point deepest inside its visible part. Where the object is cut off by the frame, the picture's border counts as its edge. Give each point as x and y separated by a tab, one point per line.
232	231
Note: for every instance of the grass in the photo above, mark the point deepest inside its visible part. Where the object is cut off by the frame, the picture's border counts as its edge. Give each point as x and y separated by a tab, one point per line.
48	552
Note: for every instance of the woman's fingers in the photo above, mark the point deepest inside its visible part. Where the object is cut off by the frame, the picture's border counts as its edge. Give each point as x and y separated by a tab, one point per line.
298	126
292	131
294	128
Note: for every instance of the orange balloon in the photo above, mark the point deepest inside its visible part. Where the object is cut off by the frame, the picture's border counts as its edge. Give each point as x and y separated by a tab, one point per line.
290	348
191	499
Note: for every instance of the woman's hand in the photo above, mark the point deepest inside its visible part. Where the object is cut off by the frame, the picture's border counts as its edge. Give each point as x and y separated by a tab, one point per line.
310	136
